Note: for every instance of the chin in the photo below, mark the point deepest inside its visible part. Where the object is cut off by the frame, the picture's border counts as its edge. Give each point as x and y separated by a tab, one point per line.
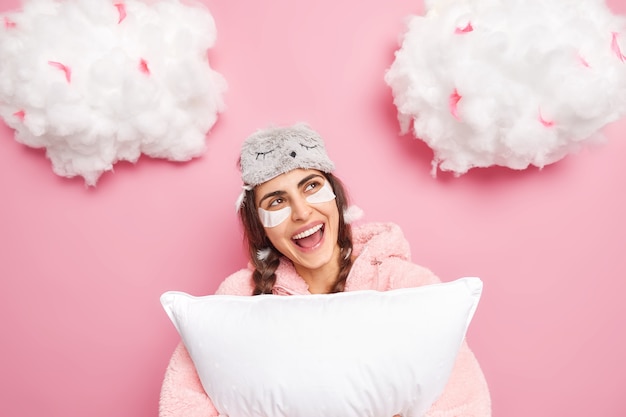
317	260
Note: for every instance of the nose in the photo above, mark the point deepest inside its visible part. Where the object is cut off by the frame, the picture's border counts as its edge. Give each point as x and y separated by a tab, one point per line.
300	209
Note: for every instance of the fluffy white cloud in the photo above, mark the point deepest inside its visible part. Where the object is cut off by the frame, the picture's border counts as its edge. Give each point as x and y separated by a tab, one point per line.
95	82
509	82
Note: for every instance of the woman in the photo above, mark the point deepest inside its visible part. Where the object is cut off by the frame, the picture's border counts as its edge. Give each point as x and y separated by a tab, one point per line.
294	214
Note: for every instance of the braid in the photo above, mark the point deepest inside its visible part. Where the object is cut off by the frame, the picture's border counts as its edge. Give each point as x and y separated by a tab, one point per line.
344	238
344	269
264	275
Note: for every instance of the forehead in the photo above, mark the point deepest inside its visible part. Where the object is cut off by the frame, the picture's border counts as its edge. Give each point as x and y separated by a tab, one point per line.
285	182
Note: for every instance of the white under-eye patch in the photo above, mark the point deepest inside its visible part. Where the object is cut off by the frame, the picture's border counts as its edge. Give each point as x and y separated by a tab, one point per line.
272	218
324	195
275	217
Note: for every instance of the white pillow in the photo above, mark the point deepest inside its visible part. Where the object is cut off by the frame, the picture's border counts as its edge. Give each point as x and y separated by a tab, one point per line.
360	353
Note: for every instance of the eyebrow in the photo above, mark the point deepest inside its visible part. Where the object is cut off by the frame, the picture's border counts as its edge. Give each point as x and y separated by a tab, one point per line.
280	192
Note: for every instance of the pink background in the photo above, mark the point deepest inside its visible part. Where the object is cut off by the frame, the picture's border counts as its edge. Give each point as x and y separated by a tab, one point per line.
82	269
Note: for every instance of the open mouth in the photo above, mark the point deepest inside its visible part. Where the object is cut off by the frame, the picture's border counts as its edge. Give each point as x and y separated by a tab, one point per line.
309	238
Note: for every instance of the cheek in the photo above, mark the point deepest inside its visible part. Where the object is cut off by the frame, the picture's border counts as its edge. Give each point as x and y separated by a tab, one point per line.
276	235
332	213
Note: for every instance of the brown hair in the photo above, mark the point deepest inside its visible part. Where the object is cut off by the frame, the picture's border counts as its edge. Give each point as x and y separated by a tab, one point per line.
264	275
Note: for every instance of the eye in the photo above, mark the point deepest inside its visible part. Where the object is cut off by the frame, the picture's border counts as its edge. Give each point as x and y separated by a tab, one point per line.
312	186
276	202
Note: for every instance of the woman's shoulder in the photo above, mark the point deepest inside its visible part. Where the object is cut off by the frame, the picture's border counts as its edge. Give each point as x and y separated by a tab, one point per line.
238	283
385	239
383	247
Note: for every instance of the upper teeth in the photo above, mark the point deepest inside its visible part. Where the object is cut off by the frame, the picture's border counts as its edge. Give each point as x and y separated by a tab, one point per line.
308	232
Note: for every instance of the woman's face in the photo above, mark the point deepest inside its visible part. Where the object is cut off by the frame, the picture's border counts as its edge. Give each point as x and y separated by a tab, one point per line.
300	217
